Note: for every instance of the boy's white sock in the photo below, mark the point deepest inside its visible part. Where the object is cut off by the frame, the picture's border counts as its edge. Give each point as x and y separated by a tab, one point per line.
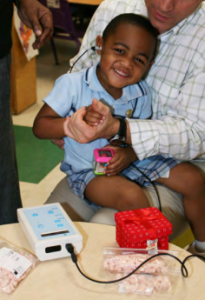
199	246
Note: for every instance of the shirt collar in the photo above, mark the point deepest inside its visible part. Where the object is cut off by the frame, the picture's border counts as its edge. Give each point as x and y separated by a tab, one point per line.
129	92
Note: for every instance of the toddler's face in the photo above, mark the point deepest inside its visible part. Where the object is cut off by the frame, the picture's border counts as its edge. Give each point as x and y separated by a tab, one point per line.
125	57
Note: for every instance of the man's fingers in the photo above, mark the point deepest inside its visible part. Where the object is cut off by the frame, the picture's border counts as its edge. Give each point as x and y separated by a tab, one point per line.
37	29
100	107
66	128
74	126
43	39
43	29
37	17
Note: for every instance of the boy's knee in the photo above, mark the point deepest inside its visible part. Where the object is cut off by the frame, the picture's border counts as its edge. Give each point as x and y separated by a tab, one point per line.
132	200
195	179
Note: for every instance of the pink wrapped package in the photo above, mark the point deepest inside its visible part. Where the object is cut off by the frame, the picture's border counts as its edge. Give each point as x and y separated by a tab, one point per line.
15	265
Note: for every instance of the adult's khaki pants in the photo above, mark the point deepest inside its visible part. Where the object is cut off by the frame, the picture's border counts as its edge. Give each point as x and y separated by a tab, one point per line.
79	210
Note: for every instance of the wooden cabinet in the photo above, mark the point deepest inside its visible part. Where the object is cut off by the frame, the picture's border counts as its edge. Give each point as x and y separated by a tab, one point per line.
23	78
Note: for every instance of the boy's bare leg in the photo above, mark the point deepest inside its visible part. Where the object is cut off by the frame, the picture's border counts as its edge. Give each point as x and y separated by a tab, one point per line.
187	180
116	192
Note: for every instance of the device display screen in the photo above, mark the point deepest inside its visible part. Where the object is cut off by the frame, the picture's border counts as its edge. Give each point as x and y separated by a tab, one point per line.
105	153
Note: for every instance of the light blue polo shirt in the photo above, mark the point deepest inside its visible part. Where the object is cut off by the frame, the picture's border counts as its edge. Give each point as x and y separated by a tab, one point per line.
72	91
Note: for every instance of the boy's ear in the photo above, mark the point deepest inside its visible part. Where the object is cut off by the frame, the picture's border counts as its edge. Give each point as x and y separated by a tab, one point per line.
99	42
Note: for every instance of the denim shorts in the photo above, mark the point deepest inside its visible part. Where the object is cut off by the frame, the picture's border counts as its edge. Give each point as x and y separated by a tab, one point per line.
141	172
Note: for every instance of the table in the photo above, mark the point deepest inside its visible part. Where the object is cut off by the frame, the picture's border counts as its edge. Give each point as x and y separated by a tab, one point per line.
88	2
60	279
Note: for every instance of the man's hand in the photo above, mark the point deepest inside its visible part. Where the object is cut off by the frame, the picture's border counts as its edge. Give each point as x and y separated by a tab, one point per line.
76	128
38	17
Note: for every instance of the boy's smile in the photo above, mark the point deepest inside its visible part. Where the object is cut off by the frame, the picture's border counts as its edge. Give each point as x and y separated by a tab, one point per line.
125	57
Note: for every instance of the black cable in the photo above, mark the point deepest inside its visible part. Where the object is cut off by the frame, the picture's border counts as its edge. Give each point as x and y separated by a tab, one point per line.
91	48
77	60
134	108
184	270
152	183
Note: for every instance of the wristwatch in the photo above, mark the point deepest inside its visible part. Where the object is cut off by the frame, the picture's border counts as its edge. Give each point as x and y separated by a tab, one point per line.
120	137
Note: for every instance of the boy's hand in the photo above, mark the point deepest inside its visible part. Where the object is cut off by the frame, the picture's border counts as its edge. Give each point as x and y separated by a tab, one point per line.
59	142
76	128
92	117
122	158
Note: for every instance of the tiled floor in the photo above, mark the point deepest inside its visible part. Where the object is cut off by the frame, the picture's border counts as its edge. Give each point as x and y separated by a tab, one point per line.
47	72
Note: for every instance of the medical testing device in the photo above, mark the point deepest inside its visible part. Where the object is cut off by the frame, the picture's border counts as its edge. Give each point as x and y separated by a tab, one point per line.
100	159
49	229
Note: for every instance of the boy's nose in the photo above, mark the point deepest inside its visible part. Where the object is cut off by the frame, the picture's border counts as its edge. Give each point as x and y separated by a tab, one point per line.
127	62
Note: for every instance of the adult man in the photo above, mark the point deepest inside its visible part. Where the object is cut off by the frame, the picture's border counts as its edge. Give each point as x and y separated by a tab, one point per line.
39	18
177	81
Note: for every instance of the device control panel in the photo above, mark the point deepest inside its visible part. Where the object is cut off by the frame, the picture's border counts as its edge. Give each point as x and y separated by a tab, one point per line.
48	229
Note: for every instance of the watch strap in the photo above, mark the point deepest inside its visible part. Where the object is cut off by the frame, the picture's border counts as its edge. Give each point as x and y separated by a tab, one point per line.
120	137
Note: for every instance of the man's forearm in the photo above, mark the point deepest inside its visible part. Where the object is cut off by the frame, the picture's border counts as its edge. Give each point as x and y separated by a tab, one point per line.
170	136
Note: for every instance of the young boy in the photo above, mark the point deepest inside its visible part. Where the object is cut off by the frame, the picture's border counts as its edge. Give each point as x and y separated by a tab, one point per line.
127	48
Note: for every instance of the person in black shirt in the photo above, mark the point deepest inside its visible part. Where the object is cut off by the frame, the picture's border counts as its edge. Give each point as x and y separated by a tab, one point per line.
39	18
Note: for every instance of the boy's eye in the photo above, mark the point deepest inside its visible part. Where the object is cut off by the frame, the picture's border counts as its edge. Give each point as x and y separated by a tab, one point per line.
139	60
119	50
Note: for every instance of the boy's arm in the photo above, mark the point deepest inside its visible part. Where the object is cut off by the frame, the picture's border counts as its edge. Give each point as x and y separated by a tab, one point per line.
48	124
